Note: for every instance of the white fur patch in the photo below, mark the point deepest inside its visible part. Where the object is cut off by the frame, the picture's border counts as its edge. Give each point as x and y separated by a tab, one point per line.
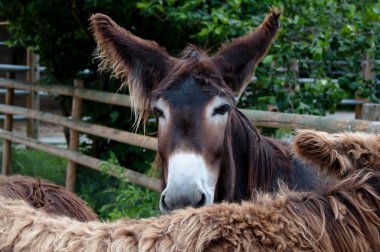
187	169
164	107
210	108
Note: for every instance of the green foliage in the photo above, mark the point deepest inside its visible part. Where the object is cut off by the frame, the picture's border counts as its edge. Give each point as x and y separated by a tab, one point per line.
319	34
113	197
324	39
128	200
327	37
35	163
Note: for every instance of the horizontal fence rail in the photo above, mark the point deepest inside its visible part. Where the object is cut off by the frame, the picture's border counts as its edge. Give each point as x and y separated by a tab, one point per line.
92	95
92	129
18	68
260	118
295	121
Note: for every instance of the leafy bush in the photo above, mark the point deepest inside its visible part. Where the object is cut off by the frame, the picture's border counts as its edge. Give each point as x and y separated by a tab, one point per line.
115	198
128	200
321	39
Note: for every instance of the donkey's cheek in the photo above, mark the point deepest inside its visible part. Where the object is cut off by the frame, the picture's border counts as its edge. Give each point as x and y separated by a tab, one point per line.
214	125
214	139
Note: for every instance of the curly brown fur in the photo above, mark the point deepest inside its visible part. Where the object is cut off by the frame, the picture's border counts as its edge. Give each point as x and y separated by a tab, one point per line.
340	217
340	153
46	196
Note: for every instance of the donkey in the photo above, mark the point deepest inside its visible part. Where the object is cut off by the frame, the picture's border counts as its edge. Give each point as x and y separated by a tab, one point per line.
208	151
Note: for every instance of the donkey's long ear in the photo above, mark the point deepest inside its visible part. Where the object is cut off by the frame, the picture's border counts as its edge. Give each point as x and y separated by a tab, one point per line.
340	154
238	59
139	63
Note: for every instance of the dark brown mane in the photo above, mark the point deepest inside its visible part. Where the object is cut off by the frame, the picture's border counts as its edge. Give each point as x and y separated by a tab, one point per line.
342	215
46	196
253	163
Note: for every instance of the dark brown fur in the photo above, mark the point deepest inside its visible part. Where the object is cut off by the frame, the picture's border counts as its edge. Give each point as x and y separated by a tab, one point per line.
46	196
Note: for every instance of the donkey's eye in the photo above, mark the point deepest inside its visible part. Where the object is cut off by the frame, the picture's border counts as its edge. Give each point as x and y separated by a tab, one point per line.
221	110
159	113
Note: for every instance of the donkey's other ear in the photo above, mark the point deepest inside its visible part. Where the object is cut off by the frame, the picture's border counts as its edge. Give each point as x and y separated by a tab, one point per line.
321	149
238	59
340	154
139	63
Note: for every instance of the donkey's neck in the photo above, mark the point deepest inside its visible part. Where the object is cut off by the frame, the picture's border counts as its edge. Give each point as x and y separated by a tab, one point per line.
258	162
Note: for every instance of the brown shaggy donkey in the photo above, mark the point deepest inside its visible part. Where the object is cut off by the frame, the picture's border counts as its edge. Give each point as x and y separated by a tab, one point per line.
199	126
340	216
46	196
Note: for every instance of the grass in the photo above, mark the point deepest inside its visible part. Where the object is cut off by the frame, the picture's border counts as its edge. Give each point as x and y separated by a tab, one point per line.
35	163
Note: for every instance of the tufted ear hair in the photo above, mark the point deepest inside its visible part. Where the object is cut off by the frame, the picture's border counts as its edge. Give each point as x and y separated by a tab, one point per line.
139	63
340	154
238	59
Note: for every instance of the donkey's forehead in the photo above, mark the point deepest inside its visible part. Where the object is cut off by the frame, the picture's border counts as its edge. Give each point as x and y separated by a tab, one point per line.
189	90
192	78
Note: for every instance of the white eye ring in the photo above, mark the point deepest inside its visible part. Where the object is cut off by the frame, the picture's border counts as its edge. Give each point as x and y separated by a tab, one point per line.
159	113
221	110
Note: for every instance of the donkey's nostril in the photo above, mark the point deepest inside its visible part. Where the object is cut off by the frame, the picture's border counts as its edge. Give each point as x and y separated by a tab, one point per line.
164	207
176	199
202	202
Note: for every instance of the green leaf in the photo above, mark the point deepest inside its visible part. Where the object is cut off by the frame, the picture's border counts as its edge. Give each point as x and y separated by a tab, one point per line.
268	59
348	29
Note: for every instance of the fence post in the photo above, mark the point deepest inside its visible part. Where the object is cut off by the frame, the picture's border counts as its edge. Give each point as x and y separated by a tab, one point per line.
367	74
368	65
8	125
371	112
74	137
33	99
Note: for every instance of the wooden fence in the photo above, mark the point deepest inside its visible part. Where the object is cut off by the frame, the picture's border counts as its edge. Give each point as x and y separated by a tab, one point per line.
74	124
74	157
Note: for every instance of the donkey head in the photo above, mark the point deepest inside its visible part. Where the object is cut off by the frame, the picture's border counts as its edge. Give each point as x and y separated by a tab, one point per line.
193	97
